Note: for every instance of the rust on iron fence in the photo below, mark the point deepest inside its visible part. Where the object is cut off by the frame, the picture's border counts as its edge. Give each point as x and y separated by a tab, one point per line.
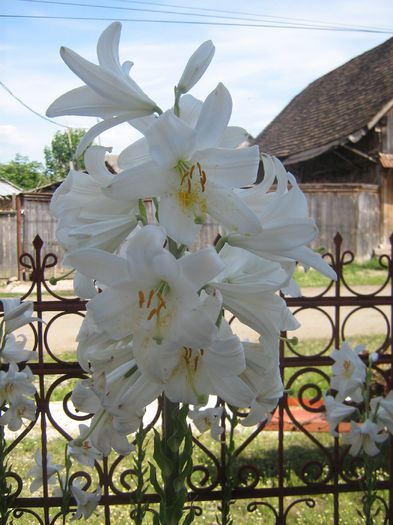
279	467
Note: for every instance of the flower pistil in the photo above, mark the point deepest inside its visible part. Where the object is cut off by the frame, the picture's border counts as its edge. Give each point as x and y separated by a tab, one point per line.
191	188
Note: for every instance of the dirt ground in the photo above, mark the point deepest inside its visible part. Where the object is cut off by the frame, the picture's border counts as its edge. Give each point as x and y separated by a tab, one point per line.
62	330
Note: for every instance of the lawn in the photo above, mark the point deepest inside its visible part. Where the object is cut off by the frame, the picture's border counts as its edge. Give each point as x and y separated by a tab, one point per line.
369	273
262	454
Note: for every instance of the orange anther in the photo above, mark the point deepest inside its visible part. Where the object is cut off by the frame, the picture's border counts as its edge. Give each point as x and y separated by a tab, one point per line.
151	295
152	314
141	296
203	180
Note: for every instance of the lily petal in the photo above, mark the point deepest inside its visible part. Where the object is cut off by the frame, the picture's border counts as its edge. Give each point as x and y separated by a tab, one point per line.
214	117
197	64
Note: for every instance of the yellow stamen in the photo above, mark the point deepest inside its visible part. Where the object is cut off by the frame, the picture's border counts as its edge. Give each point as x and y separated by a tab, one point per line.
151	295
141	296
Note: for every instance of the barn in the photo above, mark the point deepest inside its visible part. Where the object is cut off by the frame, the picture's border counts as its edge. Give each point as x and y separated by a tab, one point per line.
336	137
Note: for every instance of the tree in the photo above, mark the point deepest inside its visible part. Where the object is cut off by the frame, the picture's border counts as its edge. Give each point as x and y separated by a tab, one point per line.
59	156
23	173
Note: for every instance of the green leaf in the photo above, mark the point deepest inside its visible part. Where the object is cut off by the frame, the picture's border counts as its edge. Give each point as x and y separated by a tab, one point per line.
156	519
189	518
161	459
154	481
174	442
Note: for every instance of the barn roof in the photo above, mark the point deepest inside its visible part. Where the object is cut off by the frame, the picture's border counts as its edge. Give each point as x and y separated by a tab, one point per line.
334	109
8	188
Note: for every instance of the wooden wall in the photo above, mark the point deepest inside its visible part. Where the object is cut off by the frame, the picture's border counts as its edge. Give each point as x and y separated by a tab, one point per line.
37	220
8	245
351	209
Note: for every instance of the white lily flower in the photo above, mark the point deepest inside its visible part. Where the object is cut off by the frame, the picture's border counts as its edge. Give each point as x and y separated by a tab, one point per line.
196	66
14	350
349	372
190	109
336	412
382	411
86	501
15	383
17	314
262	375
149	294
20	409
109	93
285	225
196	373
37	471
387	403
208	419
84	452
248	285
364	437
191	174
86	217
106	437
110	425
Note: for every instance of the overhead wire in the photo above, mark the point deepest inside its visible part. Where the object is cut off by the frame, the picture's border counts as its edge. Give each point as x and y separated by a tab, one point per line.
289	22
247	13
198	22
31	109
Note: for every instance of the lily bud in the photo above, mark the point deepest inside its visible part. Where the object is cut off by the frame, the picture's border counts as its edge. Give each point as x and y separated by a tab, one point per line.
196	66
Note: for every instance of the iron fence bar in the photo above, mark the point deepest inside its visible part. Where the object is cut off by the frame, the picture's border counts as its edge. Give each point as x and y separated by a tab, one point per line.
37	265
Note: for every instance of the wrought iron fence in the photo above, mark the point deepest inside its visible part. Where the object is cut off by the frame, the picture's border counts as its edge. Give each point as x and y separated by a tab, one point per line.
280	467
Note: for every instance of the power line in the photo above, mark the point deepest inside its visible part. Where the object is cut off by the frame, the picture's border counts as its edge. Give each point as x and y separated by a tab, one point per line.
275	18
197	22
285	22
31	109
146	10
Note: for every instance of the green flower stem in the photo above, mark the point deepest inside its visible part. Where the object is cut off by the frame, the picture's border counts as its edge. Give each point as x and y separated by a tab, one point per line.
5	489
171	411
370	492
172	453
65	488
221	243
173	457
228	476
176	106
142	216
140	509
55	280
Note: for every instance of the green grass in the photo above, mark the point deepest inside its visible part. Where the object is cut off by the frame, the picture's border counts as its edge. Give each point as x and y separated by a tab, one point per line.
369	273
262	454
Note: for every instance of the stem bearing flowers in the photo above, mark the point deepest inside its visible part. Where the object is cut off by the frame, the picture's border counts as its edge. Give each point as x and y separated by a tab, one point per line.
157	325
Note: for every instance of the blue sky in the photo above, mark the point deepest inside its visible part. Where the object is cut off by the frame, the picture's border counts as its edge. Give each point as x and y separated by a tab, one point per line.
262	67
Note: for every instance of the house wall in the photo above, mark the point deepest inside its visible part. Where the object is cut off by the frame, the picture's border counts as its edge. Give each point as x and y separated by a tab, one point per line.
8	245
351	209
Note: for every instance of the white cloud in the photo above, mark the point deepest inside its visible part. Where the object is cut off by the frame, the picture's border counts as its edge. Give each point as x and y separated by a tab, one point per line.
263	68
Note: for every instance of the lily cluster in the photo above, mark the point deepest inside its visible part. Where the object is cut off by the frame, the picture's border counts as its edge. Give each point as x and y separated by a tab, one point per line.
155	321
371	418
86	501
17	381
